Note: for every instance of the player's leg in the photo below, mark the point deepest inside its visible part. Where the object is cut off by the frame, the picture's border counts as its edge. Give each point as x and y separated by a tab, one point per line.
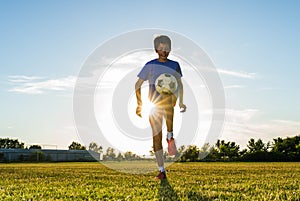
155	120
169	115
156	124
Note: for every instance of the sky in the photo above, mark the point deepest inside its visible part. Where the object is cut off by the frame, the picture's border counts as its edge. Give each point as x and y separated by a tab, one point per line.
254	45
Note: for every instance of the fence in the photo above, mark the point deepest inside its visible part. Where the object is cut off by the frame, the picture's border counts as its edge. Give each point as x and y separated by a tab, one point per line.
39	155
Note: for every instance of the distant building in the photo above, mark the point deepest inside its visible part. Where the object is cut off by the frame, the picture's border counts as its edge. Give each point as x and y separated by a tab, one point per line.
38	155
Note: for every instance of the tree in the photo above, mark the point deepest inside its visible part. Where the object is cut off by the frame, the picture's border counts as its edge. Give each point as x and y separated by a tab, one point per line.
100	149
6	143
258	146
287	149
204	151
191	154
298	148
180	151
151	152
257	151
76	146
35	147
227	150
286	145
94	147
110	153
129	155
120	157
213	154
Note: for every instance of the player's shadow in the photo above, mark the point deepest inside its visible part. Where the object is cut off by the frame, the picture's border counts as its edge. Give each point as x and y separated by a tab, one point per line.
166	192
195	196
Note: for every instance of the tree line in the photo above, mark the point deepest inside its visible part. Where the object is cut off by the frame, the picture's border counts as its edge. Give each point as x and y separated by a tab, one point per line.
109	154
280	149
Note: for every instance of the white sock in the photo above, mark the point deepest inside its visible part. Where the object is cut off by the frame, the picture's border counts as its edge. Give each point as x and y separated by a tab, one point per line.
160	158
161	168
169	135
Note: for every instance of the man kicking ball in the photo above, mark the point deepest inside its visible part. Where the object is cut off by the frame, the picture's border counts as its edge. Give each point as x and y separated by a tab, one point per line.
164	77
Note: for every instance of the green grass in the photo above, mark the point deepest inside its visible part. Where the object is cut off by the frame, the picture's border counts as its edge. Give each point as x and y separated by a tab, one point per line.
186	181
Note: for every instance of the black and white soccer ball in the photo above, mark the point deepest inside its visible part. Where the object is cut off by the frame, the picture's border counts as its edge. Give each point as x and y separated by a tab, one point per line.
166	84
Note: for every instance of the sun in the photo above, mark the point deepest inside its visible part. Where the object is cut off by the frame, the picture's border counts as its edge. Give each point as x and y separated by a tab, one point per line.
147	108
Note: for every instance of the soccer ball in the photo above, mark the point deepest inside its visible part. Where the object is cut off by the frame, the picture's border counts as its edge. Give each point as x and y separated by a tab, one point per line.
166	84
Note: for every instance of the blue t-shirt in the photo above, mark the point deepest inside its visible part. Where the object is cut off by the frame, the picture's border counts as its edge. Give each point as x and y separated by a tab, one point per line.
153	69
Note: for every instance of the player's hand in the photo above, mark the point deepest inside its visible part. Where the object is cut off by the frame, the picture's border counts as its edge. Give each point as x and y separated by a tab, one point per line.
139	111
182	107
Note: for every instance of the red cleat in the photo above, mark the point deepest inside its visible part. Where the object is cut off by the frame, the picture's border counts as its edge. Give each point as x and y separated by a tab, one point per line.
161	175
172	147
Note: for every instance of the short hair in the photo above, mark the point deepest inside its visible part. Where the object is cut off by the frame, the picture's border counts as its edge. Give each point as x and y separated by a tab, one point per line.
162	39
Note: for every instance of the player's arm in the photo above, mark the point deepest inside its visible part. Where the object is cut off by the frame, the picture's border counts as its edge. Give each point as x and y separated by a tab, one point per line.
180	93
138	94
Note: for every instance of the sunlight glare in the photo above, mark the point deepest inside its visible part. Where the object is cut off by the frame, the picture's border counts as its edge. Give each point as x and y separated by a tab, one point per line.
147	107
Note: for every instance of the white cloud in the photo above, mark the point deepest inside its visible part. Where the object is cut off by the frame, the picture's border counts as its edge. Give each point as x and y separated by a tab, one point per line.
286	122
241	125
234	87
269	89
39	85
138	58
240	115
237	74
23	78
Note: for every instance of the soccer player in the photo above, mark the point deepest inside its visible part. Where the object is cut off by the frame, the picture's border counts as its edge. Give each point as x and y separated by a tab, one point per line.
164	103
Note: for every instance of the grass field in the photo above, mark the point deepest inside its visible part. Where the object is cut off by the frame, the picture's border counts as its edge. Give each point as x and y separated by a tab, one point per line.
186	181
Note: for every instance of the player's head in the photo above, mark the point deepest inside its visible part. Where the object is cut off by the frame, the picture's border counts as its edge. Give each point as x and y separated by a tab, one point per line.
162	43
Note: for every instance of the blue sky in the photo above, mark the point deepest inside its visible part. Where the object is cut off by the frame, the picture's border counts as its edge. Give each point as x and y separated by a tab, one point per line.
254	44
